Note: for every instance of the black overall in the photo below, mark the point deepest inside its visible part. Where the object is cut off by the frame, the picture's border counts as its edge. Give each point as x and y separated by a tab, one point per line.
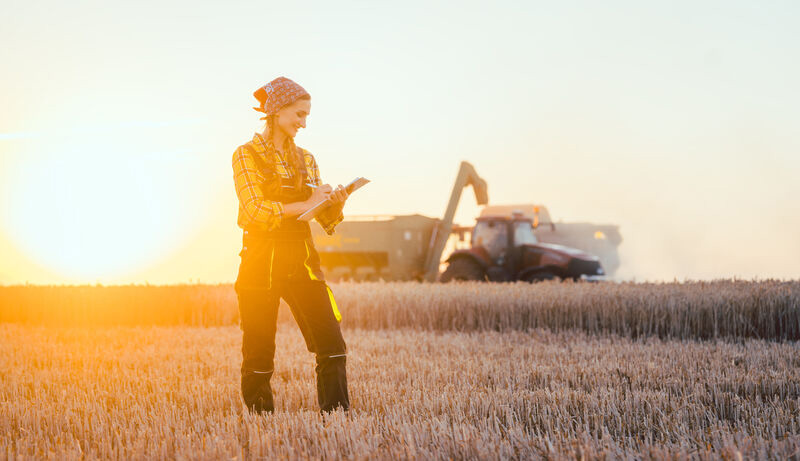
283	263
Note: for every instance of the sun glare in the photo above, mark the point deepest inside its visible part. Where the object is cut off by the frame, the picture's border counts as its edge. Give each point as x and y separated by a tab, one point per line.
94	213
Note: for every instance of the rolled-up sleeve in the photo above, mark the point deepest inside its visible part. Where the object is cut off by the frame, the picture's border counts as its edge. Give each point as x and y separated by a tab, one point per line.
265	214
330	218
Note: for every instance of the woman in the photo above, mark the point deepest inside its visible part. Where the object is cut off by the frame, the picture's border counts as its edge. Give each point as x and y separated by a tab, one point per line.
277	181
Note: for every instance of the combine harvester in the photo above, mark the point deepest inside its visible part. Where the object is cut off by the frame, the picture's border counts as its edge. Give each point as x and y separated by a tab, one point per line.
511	242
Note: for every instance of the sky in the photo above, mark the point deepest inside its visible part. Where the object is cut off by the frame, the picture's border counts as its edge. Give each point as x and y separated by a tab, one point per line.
677	121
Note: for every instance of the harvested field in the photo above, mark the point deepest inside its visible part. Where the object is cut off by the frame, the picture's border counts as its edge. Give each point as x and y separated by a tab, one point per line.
172	393
730	309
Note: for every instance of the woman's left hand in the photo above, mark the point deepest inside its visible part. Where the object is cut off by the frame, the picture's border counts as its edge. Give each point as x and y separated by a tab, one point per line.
338	195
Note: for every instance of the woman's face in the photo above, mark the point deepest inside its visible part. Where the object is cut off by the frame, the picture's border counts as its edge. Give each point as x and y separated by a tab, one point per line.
293	116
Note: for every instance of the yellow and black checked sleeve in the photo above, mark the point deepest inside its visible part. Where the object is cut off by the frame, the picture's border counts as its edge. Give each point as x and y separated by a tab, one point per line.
312	168
331	217
254	209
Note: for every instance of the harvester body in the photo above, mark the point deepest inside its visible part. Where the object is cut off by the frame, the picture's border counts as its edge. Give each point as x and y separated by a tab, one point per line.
513	242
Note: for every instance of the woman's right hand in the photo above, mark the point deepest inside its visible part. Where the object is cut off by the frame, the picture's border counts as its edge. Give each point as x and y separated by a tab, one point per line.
320	193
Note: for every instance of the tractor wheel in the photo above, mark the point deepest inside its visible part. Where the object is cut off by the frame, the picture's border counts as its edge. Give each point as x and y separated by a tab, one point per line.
541	276
463	269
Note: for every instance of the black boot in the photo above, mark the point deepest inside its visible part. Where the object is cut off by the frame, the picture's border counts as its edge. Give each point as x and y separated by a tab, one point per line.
332	383
257	392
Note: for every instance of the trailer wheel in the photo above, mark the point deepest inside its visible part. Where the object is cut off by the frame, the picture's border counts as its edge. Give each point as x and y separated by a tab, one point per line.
463	269
540	276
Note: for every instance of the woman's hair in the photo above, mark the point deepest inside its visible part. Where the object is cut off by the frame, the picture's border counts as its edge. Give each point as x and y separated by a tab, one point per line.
294	158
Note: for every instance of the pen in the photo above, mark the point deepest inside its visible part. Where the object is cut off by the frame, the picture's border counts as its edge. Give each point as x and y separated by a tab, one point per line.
314	187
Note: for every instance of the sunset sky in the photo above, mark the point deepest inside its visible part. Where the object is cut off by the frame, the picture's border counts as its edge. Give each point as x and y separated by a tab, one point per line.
678	121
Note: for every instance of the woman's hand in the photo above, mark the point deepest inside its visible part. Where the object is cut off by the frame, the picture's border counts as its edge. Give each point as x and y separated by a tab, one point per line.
339	195
320	193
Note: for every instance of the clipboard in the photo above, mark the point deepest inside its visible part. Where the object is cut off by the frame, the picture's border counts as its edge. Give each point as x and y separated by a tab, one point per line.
320	206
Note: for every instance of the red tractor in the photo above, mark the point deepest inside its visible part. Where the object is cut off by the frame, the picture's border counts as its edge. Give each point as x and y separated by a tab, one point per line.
504	248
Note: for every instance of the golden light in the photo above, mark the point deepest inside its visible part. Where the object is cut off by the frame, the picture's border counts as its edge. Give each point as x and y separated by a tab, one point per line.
95	210
599	235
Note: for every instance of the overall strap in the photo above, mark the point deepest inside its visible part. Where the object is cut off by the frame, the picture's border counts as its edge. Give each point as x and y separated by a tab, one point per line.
290	229
262	165
281	190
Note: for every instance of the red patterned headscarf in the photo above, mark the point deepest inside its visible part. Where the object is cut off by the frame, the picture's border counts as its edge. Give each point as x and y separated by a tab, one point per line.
278	93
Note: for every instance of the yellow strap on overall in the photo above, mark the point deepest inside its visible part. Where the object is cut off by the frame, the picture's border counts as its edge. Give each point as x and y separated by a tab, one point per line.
311	275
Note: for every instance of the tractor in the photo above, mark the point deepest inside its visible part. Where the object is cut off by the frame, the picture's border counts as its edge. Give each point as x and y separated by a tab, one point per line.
504	248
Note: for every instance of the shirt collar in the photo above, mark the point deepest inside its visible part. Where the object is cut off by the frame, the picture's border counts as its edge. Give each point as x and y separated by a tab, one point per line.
260	145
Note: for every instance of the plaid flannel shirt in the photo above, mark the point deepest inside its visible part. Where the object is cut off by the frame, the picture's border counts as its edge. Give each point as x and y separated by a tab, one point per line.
257	212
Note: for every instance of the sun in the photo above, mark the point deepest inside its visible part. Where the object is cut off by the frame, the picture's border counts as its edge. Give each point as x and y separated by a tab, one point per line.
94	211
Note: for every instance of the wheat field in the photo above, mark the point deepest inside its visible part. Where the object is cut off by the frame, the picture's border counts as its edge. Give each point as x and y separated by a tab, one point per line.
730	309
457	371
172	393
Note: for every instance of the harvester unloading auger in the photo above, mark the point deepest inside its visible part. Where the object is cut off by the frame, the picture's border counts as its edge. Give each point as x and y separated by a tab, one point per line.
502	244
441	232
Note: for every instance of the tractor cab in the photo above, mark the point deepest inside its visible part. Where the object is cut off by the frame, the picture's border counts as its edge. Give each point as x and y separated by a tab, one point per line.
501	236
503	241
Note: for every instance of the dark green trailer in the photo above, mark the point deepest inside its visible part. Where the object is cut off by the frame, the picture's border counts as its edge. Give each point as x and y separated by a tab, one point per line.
394	247
376	247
